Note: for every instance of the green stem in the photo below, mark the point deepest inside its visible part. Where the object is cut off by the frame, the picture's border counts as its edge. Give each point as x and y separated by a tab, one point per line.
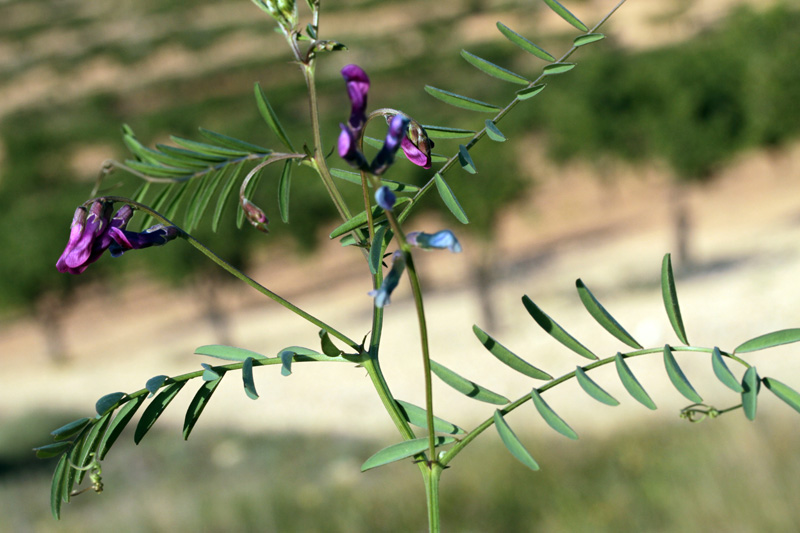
239	274
432	496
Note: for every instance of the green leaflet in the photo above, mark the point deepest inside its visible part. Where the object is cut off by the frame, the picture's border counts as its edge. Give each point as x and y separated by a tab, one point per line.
556	331
530	92
401	450
247	379
227	189
670	296
198	403
564	13
124	416
466	160
229	353
550	416
68	430
444	132
155	383
769	340
603	317
286	362
328	348
632	384
210	373
284	187
494	134
678	378
355	178
89	446
357	221
56	487
507	357
467	387
200	150
231	142
557	68
155	409
192	158
458	100
376	248
108	402
419	417
524	43
722	372
269	116
784	392
450	199
750	385
51	450
158	171
593	389
588	38
493	70
512	442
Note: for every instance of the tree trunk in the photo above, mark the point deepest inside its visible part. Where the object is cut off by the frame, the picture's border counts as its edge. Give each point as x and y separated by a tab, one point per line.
483	279
681	225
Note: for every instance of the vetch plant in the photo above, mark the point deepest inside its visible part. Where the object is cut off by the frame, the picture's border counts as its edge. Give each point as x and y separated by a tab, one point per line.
194	173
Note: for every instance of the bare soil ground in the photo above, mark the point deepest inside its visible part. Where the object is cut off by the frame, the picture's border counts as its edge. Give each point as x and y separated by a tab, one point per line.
746	228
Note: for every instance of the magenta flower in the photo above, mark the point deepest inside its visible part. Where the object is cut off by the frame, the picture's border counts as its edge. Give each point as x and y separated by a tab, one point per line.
93	233
357	83
417	146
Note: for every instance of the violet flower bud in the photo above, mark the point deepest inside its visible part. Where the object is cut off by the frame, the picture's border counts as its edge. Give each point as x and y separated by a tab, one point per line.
255	215
385	198
382	295
395	135
348	150
440	240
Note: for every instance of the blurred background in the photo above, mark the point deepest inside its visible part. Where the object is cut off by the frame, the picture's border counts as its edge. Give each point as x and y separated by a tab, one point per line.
678	133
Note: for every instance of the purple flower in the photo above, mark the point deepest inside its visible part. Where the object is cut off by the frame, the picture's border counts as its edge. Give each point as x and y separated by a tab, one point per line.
348	149
440	240
357	83
385	198
417	146
395	135
130	240
382	295
91	234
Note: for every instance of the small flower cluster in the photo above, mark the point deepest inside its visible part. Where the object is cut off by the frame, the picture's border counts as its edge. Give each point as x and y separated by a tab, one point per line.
94	231
403	132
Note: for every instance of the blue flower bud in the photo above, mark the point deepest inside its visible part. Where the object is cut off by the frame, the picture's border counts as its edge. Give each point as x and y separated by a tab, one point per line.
385	198
382	295
440	240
